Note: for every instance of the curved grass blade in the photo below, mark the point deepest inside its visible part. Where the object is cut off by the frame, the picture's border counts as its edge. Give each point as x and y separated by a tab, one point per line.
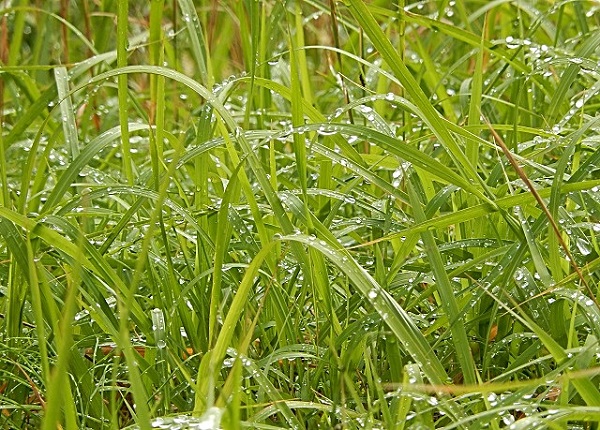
86	155
568	77
397	319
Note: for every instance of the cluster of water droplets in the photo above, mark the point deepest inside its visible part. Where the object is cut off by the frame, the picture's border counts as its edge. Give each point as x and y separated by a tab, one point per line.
211	420
227	82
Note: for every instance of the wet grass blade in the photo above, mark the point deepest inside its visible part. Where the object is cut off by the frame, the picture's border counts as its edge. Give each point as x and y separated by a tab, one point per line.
122	44
447	295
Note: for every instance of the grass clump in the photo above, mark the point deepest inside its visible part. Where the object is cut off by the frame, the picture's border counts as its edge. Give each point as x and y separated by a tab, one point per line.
300	215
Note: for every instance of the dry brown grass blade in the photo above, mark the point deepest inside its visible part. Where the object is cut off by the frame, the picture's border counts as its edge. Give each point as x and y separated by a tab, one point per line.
519	170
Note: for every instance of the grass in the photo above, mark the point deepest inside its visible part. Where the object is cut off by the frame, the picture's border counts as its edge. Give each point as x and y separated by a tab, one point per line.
299	215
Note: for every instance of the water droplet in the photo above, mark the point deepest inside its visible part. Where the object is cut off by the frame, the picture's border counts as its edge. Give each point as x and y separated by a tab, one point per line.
324	131
584	246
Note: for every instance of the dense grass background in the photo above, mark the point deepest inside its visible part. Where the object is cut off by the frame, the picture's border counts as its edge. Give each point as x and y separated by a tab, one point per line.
303	214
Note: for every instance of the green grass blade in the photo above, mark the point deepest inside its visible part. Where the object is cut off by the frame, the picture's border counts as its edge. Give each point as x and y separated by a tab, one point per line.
196	34
67	111
122	44
446	292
